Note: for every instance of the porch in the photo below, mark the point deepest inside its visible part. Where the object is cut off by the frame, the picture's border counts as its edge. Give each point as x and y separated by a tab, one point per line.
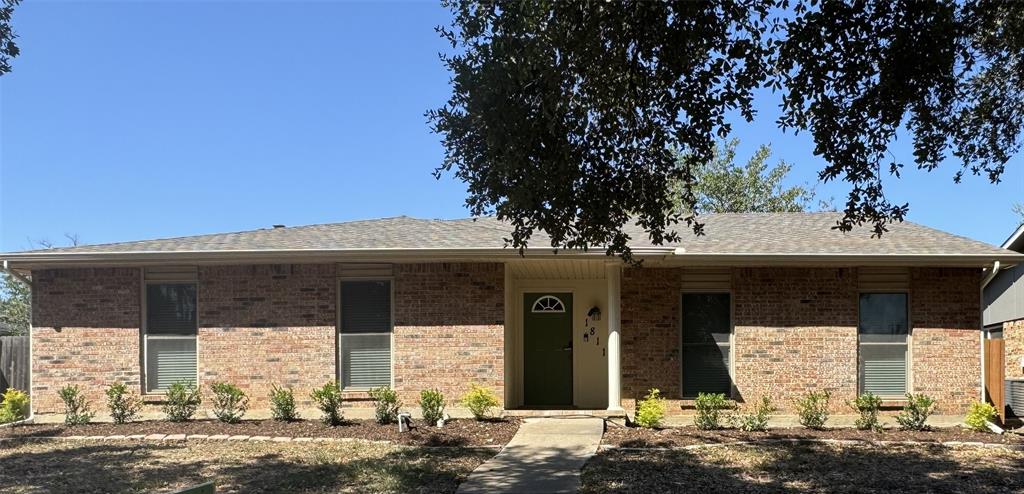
562	346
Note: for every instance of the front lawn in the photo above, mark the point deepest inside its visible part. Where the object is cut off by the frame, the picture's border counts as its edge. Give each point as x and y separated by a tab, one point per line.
30	465
806	467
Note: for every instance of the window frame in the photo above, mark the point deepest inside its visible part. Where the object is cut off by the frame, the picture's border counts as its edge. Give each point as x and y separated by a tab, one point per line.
337	331
908	383
732	338
145	336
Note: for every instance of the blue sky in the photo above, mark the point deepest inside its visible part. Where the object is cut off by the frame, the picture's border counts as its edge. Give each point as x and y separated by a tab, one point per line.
131	120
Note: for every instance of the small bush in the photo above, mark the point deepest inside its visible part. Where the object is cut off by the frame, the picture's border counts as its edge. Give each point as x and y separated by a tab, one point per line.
124	406
813	409
979	415
181	402
432	405
915	413
13	406
709	410
479	400
229	402
867	405
282	404
757	420
650	411
328	400
385	404
76	409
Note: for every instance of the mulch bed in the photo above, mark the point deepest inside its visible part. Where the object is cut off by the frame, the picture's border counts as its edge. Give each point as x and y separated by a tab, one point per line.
688	436
455	433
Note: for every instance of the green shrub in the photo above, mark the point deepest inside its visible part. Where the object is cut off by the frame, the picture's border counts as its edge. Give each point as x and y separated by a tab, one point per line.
479	400
76	409
432	405
386	404
124	406
181	402
979	415
650	411
757	419
709	410
282	404
13	406
813	409
915	413
867	405
229	402
328	400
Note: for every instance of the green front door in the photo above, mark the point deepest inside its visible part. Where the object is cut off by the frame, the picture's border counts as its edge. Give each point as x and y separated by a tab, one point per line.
547	349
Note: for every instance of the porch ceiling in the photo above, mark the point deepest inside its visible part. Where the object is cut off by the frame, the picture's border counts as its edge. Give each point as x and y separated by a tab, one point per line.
558	269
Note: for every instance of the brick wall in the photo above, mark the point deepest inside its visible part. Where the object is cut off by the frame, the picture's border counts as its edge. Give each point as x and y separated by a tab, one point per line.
650	332
945	310
85	332
1013	338
796	331
267	324
449	328
270	324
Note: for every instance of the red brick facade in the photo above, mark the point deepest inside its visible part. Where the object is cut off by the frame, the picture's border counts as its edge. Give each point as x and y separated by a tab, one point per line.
1013	338
946	347
449	328
795	331
85	331
269	324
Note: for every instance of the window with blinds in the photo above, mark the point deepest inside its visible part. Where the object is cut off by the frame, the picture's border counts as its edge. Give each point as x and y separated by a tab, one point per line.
882	333
364	337
170	334
705	341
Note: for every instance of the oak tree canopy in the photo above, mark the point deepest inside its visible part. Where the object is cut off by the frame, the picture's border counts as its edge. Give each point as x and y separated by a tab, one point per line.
568	116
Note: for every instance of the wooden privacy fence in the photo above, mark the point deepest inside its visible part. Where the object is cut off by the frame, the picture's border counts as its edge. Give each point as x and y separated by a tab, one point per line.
14	363
995	375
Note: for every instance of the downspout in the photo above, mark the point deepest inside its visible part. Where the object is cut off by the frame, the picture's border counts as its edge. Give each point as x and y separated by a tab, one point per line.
981	334
31	403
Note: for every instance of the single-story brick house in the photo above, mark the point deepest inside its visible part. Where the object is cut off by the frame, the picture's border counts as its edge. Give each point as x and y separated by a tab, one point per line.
763	303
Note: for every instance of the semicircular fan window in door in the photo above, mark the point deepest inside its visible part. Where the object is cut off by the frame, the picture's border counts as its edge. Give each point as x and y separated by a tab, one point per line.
548	303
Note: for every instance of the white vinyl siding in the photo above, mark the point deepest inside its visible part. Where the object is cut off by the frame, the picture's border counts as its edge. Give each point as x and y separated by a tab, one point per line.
170	334
364	334
883	336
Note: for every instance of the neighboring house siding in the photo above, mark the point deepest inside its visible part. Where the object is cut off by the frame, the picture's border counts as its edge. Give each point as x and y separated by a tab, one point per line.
795	330
261	325
1004	296
85	332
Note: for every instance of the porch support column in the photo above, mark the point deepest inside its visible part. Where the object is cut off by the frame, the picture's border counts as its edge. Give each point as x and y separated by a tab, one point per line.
613	274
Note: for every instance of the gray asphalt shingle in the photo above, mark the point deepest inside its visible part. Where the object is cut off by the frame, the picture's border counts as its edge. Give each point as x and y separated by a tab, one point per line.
739	233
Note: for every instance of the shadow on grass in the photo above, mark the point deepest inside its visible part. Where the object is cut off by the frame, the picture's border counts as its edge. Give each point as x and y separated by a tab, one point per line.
809	467
33	466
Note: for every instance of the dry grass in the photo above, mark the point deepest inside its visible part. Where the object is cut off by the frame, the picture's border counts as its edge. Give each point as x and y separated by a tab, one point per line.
807	467
33	466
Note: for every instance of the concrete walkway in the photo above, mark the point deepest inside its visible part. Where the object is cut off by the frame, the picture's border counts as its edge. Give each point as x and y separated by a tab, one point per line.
546	455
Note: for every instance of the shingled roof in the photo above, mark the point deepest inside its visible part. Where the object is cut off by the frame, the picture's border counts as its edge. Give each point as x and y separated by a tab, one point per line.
731	234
